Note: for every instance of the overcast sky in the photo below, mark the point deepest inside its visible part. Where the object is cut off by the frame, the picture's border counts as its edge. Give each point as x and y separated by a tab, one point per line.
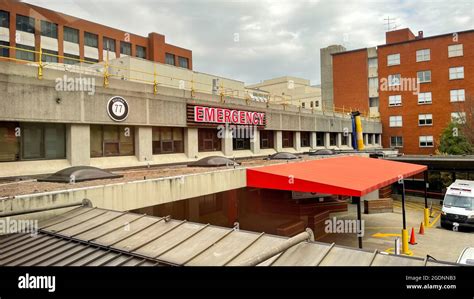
274	37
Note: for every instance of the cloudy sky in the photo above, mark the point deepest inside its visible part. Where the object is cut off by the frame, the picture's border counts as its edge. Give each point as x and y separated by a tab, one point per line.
261	39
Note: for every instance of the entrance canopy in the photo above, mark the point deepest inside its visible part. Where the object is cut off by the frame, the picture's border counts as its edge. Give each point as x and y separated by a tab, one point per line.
348	175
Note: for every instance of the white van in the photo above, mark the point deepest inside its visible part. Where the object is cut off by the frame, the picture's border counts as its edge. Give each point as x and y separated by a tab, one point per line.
458	205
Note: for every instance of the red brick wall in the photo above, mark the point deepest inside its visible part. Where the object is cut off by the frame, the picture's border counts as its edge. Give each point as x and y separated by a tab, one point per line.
154	43
440	87
350	76
396	36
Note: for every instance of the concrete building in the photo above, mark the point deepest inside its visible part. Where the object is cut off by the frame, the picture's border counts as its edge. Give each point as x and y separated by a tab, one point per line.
327	94
291	91
418	85
125	124
27	28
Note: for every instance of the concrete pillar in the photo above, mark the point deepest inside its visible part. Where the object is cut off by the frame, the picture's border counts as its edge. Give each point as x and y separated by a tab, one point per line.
374	141
297	141
255	141
339	140
78	144
227	147
366	139
327	140
191	148
278	141
312	140
144	144
349	140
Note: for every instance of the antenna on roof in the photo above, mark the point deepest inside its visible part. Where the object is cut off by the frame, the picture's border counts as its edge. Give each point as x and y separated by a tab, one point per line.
391	24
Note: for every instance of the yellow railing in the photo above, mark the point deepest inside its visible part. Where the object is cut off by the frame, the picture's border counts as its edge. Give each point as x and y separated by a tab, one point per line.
188	85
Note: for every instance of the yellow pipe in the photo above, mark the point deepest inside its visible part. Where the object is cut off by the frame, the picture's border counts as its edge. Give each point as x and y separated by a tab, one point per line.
426	217
360	137
405	249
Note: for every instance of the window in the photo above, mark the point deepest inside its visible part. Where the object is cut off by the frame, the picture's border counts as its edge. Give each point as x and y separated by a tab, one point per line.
91	40
316	104
168	140
457	95
456	73
140	52
287	138
28	54
373	102
395	100
90	60
424	98
311	105
303	104
373	62
374	83
208	141
266	139
455	50
458	117
332	139
25	24
4	19
344	139
425	119
109	44
319	138
304	138
396	121
396	141
183	62
49	29
5	52
49	56
393	59
394	80
43	141
70	59
424	76
169	59
426	141
71	35
108	141
125	48
9	142
423	55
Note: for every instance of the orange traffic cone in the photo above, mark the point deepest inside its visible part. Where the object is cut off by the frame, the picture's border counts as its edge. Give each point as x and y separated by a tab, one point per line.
412	237
422	229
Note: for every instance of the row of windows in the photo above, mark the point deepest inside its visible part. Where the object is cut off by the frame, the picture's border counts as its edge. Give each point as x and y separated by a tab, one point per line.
396	121
455	73
425	54
312	104
455	95
423	141
35	141
171	60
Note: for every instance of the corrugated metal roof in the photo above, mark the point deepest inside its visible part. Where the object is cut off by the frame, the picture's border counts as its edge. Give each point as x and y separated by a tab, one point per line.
97	237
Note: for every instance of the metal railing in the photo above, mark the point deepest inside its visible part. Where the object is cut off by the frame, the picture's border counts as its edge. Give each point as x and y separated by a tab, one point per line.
106	70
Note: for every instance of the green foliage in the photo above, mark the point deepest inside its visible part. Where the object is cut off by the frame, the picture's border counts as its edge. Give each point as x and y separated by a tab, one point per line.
454	145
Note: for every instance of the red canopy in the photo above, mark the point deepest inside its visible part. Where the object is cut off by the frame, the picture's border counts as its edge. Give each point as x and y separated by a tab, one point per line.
347	175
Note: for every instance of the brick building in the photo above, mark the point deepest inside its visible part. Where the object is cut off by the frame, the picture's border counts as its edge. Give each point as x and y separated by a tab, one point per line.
417	84
30	27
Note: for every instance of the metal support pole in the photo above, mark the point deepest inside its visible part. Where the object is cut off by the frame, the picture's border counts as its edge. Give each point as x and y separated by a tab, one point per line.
426	214
405	249
359	217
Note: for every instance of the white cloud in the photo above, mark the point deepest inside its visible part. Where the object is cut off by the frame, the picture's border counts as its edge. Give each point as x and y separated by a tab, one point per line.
276	38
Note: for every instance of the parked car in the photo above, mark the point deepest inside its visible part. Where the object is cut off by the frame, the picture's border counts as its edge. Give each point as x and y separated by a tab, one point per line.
458	205
466	257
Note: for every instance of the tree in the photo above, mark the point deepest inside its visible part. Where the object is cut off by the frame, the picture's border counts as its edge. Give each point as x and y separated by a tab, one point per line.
453	141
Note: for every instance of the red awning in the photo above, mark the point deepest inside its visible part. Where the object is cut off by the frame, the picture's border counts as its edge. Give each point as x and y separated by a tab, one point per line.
347	175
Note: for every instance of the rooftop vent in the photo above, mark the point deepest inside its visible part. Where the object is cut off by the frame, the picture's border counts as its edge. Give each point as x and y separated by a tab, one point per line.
283	156
322	152
213	161
79	174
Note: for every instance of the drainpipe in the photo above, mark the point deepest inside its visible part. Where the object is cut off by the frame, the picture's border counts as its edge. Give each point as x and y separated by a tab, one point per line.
271	252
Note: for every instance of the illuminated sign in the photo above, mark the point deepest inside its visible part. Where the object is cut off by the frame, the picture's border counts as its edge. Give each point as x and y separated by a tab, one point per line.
216	115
